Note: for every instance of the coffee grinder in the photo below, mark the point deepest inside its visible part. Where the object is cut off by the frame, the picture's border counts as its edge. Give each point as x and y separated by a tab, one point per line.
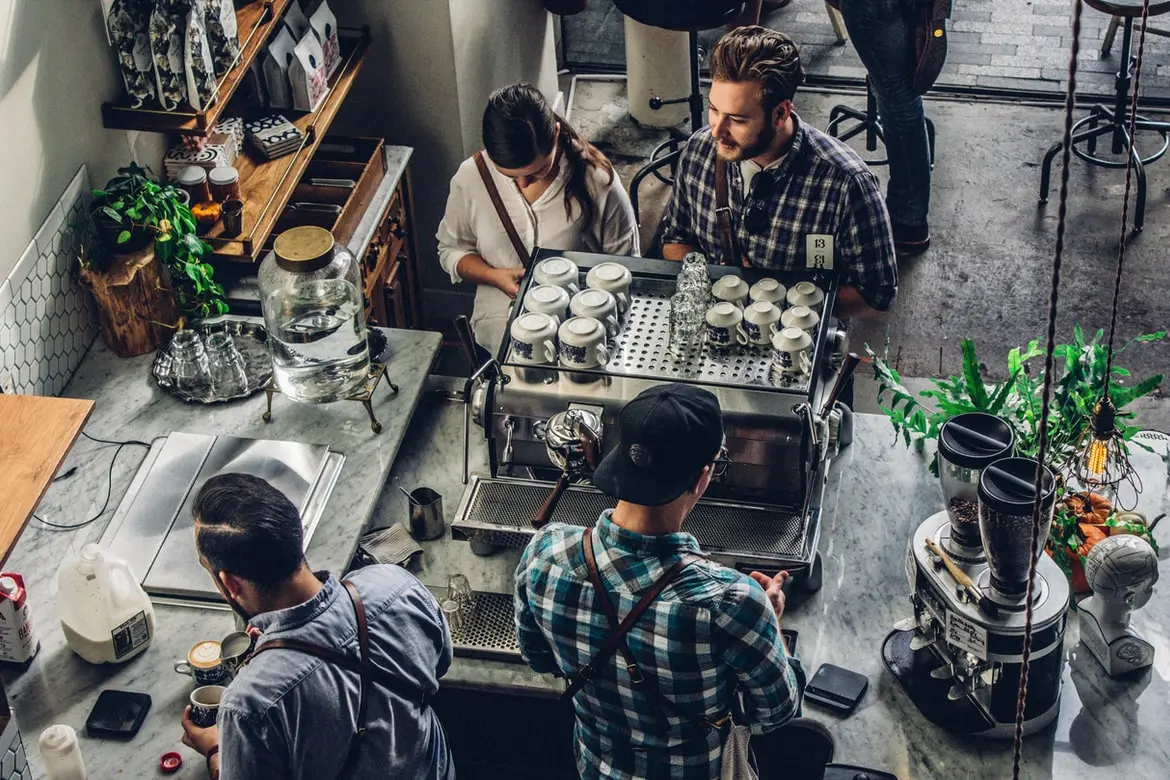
959	657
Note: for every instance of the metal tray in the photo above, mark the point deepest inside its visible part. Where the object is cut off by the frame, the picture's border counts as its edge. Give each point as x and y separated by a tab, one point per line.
251	340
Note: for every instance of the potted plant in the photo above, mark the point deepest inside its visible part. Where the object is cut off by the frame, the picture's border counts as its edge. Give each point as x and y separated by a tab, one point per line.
145	263
1081	518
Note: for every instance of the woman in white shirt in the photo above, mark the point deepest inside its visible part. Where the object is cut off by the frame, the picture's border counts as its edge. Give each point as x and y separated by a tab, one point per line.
559	191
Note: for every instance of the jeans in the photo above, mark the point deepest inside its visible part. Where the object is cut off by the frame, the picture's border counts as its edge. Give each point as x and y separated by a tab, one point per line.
883	35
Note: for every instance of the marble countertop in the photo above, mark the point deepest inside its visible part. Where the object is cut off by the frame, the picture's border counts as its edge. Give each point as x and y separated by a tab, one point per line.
878	493
58	687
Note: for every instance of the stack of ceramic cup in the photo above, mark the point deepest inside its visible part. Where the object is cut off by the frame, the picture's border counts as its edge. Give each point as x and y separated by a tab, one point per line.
794	336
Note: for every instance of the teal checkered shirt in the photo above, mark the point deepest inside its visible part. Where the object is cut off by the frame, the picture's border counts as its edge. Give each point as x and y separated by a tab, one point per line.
710	633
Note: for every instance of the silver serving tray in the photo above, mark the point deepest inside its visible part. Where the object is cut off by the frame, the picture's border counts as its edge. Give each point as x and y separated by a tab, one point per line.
251	340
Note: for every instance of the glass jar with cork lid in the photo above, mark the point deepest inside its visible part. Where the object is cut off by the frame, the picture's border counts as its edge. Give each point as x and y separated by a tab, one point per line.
311	295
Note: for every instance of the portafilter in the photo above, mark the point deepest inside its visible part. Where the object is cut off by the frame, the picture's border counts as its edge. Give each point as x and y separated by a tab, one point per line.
572	439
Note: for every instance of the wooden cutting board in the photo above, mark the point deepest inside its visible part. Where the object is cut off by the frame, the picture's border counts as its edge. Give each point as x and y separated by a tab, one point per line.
35	435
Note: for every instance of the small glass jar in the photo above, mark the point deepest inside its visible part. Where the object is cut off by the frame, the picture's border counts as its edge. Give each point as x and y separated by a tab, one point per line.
225	183
189	361
311	295
225	365
193	179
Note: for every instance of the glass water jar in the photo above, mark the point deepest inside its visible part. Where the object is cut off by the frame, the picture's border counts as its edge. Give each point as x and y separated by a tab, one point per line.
967	444
311	294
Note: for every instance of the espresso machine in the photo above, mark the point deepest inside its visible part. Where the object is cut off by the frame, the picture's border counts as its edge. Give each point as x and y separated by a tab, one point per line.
548	425
959	657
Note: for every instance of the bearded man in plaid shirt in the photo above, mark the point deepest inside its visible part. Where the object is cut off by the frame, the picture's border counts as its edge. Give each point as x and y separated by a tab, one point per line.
712	634
788	185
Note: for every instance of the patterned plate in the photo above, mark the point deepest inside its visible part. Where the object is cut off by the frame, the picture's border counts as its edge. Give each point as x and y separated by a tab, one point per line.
251	340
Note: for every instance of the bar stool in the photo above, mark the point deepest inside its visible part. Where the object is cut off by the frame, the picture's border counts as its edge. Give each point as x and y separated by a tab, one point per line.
689	16
1114	121
870	123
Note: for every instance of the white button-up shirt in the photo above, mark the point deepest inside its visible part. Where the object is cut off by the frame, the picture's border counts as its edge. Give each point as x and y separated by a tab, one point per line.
471	226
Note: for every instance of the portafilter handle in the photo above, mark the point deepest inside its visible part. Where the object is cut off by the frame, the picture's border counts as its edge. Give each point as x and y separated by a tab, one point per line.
544	514
848	366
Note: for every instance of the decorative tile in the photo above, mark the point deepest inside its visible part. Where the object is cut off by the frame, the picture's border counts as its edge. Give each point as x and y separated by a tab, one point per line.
47	319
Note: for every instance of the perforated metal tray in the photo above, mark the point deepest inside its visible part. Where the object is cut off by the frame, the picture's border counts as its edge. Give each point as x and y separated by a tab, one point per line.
500	512
489	630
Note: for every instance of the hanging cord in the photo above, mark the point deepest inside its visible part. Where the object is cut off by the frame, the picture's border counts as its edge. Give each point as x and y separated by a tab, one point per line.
1046	396
1131	152
109	483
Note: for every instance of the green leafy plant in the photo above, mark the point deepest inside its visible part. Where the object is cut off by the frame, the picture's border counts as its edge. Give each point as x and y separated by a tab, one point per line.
1080	368
131	211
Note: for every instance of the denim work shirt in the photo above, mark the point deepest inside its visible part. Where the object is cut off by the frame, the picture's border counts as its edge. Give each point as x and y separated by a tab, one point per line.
710	632
291	715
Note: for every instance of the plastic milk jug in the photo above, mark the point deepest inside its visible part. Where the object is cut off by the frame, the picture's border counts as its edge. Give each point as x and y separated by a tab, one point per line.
105	613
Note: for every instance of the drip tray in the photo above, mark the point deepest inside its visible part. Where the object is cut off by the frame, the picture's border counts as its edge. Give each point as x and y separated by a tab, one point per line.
153	529
489	630
499	512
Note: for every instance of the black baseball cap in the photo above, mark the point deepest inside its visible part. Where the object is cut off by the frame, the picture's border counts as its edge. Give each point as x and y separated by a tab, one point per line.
668	434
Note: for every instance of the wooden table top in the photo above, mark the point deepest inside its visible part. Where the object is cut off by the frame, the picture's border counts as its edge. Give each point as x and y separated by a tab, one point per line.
35	435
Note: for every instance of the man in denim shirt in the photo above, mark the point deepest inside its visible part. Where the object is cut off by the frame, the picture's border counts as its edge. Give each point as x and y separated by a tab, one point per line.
289	714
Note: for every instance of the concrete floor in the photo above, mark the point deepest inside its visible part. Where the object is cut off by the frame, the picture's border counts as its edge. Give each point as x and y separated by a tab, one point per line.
987	275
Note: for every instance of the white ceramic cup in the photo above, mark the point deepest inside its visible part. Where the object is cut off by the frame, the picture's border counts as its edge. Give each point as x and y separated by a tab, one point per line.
600	305
558	271
760	321
615	279
790	352
801	317
534	338
725	325
806	294
583	343
768	290
548	299
731	288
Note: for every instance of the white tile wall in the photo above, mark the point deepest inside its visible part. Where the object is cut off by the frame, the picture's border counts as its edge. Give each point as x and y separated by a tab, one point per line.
47	318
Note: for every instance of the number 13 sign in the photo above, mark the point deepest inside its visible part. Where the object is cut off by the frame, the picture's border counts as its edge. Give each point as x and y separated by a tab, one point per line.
818	251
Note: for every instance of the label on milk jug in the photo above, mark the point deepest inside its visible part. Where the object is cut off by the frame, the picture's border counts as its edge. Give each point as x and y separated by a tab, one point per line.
131	635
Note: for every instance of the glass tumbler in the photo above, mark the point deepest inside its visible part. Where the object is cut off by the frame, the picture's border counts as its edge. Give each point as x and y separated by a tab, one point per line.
189	360
686	323
453	615
225	365
459	590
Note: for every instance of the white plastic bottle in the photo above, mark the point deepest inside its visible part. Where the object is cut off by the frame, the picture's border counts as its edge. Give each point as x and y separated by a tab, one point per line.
105	614
61	753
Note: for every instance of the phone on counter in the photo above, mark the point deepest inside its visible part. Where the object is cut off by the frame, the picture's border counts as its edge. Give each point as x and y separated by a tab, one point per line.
836	688
117	714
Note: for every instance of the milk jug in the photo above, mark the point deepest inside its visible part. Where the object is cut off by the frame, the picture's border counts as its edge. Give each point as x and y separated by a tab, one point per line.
105	613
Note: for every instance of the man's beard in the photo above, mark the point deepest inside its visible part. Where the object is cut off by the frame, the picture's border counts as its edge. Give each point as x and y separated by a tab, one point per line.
757	147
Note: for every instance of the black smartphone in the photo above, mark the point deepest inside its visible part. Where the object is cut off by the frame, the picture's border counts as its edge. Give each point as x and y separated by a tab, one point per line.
117	714
836	688
789	636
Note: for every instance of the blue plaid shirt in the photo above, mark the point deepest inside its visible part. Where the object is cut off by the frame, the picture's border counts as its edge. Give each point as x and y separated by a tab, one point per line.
822	187
710	632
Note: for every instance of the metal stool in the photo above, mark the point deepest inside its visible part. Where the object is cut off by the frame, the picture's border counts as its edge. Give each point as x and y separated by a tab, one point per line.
1114	121
688	16
870	123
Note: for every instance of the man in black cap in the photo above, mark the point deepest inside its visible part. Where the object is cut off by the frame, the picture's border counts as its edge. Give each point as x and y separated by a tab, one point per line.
656	703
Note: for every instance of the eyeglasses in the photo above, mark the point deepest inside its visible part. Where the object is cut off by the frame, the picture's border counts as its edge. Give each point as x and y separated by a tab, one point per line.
755	215
721	462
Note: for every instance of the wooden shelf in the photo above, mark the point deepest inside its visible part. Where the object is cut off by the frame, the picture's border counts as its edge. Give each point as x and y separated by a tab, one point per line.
256	21
267	185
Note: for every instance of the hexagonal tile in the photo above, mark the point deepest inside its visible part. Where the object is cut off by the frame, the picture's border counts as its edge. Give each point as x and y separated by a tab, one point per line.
8	763
47	285
25	291
24	374
42	307
20	311
25	331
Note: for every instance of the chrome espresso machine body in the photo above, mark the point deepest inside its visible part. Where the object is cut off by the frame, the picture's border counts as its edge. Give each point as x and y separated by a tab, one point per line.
763	514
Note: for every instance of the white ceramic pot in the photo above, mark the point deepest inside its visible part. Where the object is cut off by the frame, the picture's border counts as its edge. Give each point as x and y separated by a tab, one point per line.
600	305
548	299
582	343
558	271
801	317
534	338
731	288
806	294
725	325
790	352
759	322
768	290
615	279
